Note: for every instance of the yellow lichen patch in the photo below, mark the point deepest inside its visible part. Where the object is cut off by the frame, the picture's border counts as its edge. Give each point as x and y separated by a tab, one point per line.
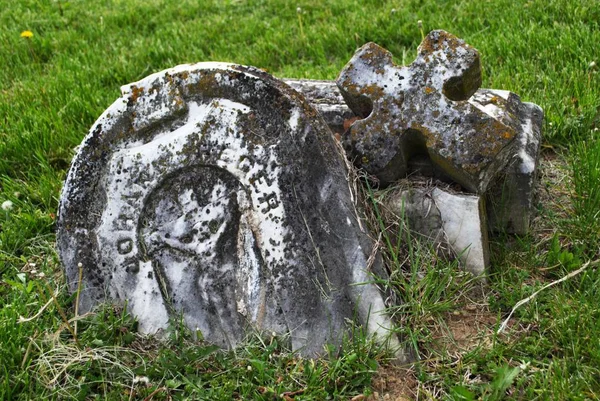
429	45
372	90
136	93
429	90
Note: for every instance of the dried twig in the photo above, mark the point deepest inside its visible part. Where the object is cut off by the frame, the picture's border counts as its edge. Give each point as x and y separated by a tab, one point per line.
532	296
29	319
352	179
28	351
61	312
152	394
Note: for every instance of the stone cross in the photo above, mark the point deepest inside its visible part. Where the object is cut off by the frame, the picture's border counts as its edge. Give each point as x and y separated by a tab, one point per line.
216	194
422	109
509	199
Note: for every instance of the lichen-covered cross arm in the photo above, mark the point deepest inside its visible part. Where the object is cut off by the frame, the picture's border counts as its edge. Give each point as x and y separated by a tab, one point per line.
423	109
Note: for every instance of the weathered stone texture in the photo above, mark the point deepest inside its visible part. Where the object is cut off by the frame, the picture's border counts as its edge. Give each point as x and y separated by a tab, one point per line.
423	109
216	193
509	198
454	222
327	99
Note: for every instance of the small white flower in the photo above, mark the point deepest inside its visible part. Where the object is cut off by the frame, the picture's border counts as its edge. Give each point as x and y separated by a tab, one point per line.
7	205
80	265
592	64
420	24
393	11
41	275
141	379
249	368
298	10
17	194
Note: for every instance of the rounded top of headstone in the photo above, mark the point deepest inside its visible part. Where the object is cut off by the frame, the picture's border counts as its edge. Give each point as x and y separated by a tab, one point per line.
231	117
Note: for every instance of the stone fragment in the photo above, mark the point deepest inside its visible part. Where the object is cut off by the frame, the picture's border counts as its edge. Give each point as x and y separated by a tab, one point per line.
216	194
509	199
453	221
327	99
422	109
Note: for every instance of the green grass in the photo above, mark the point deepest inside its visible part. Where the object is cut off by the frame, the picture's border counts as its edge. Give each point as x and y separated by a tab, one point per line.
54	85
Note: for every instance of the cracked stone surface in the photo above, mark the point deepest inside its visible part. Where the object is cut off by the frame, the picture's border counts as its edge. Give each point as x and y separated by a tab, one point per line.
216	193
423	108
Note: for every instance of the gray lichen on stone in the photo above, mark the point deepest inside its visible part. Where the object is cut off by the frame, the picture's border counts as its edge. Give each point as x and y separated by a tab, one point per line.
423	109
510	196
216	193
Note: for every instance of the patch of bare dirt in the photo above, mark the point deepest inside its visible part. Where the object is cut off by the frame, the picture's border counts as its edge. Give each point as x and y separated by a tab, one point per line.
394	383
464	330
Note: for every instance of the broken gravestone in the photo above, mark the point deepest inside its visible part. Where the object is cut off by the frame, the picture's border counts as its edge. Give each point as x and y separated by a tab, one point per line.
424	108
454	223
509	198
507	206
431	119
216	194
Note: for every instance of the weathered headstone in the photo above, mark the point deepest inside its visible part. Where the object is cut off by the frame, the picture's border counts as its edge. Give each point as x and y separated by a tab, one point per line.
509	196
424	108
216	193
430	119
509	199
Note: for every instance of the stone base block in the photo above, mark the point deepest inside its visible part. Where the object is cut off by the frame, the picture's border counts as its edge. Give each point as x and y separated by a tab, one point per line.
452	221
